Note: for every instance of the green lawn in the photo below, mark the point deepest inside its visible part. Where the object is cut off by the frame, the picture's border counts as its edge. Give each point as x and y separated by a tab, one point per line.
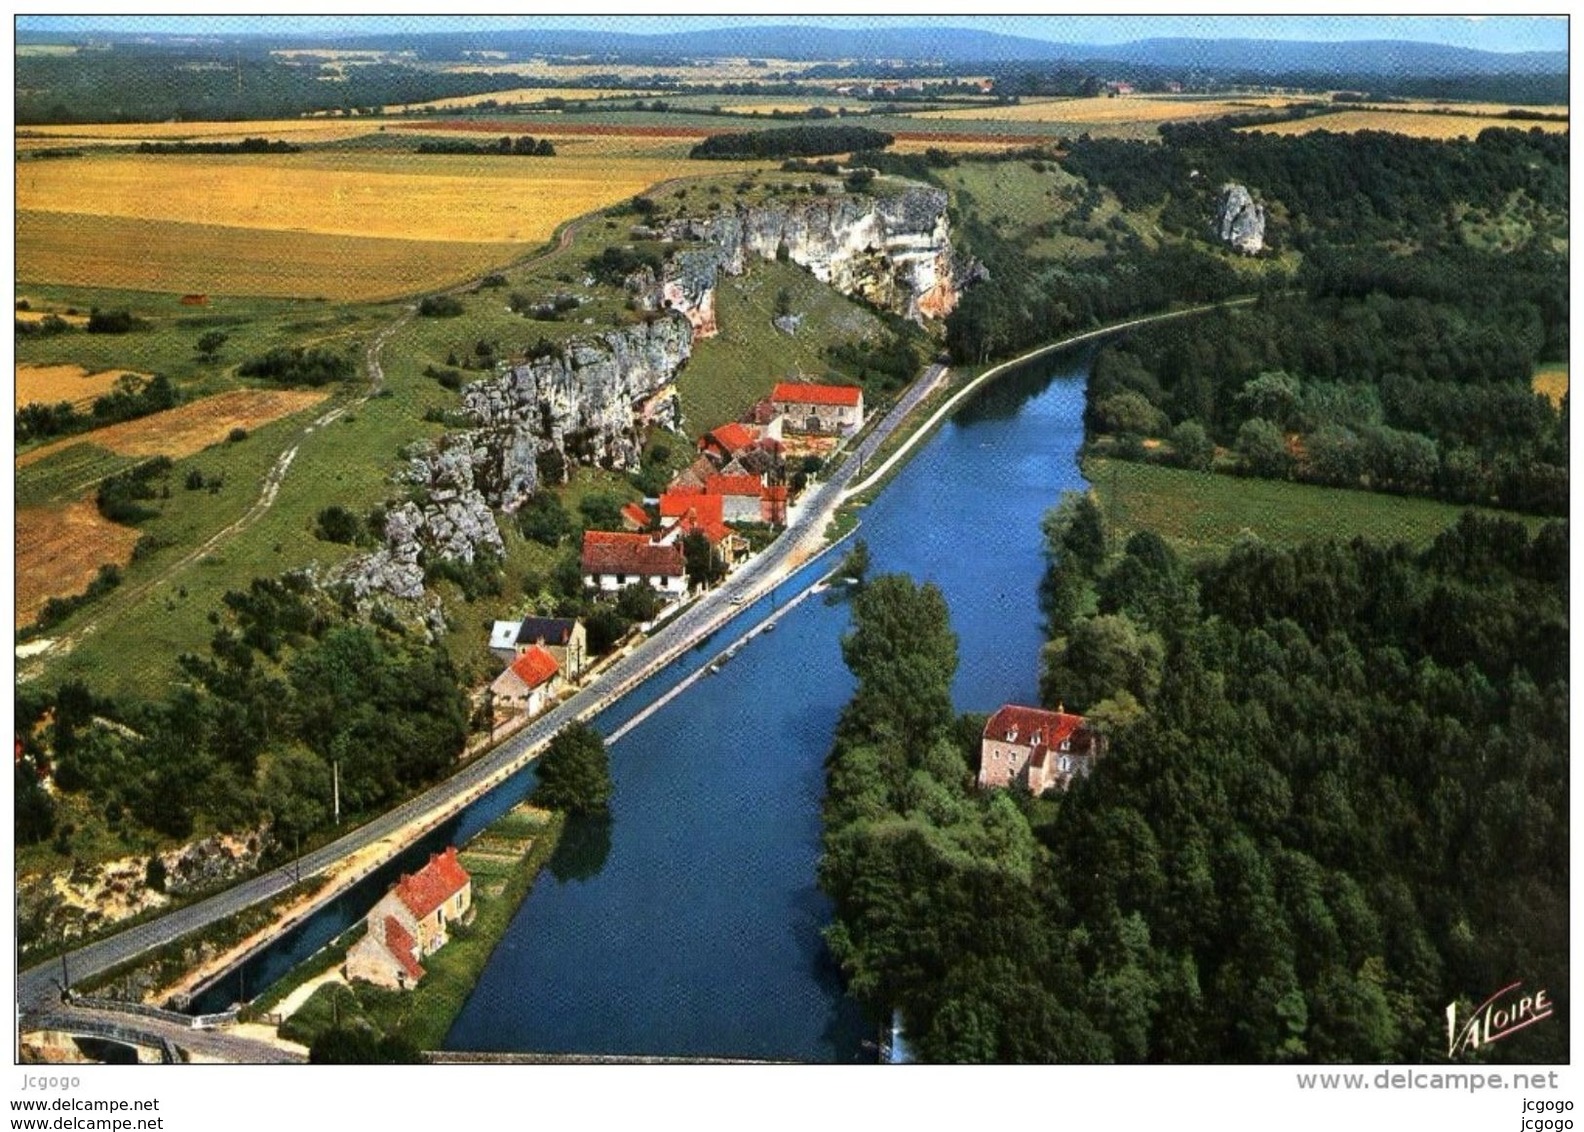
731	371
1202	513
424	1014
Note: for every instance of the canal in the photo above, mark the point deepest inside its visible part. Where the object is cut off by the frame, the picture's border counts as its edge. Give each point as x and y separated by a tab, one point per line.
688	923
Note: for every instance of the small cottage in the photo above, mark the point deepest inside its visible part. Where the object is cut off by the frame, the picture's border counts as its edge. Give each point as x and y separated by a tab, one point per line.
410	922
529	683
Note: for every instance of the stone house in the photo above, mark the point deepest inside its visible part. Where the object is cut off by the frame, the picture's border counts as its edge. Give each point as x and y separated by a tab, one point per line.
829	410
739	495
564	638
1036	749
410	922
613	560
529	683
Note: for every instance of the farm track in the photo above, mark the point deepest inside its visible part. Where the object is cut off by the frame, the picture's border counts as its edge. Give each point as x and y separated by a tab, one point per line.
124	597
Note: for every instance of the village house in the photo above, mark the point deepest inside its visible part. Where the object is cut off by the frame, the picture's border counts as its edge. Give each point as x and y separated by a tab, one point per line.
635	517
1036	749
684	511
564	638
410	922
614	560
740	496
529	683
831	410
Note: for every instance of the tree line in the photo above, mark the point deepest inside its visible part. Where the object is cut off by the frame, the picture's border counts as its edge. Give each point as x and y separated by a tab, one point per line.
1332	804
291	684
524	146
793	141
132	397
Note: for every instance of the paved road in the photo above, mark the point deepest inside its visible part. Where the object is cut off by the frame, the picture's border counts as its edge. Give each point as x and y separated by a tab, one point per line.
403	825
204	1045
407	822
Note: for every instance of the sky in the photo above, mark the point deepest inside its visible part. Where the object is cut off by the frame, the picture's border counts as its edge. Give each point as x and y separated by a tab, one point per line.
1489	33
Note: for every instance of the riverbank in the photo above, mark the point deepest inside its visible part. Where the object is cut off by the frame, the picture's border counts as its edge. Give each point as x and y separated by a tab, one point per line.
503	862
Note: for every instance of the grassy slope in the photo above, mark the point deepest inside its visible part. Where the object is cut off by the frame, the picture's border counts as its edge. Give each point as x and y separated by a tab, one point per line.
728	373
1203	513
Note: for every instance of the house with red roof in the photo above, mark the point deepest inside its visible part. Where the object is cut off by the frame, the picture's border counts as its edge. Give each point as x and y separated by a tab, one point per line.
726	441
635	517
829	410
529	683
614	560
410	922
1036	749
739	496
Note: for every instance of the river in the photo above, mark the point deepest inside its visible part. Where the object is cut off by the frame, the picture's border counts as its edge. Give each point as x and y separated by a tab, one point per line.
688	923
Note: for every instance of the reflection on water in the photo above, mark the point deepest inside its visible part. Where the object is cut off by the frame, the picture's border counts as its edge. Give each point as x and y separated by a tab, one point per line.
584	845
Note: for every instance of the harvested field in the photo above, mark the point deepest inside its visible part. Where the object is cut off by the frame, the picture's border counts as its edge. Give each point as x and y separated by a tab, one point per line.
50	385
521	96
1440	127
1108	110
305	130
39	316
59	551
190	428
1551	382
455	200
153	255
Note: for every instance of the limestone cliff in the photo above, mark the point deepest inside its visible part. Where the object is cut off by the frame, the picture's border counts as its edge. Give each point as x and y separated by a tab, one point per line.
589	400
894	251
448	517
1239	219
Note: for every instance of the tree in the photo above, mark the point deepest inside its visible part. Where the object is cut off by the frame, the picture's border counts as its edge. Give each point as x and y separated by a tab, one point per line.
1263	449
336	524
358	1045
1129	412
856	564
638	602
601	511
1075	533
35	810
543	520
574	773
209	343
1191	447
704	567
1102	656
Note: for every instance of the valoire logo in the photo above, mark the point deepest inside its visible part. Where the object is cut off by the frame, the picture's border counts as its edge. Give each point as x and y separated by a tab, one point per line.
1499	1016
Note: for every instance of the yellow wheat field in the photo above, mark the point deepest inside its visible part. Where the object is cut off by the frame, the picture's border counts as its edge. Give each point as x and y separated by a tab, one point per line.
334	226
157	255
393	196
1107	110
1440	127
1474	109
78	320
306	130
49	385
59	551
189	428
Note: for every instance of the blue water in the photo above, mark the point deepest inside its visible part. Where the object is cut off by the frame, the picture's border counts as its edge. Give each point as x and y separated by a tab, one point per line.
689	924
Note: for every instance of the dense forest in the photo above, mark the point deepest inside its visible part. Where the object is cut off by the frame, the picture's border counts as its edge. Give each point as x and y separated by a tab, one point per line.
1334	802
293	682
1413	377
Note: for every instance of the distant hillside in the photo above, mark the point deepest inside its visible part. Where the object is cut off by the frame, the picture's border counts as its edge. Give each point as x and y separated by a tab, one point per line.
945	45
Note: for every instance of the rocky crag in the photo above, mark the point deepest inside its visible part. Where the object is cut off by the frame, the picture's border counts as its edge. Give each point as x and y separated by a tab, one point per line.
893	251
592	398
445	516
1240	220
